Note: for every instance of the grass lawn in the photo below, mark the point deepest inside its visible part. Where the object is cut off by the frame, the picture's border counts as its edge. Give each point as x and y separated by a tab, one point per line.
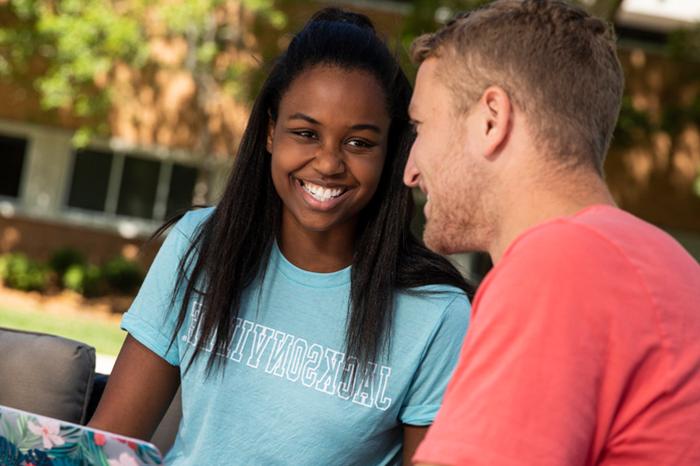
107	338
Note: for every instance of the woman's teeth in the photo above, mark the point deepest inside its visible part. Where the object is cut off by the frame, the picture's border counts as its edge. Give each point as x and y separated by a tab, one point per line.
320	193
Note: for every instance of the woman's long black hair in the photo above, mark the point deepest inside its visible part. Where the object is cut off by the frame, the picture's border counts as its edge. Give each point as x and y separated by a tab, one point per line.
233	245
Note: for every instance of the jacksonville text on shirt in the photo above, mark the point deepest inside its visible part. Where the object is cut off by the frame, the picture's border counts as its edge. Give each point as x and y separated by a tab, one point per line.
293	358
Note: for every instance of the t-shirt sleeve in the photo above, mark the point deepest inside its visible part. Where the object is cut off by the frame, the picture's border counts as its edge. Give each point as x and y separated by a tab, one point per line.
152	317
527	385
437	364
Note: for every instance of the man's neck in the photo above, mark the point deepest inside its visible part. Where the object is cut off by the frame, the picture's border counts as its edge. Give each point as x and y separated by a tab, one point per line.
538	202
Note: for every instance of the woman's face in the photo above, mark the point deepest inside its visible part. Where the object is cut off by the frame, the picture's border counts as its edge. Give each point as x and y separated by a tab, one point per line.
328	147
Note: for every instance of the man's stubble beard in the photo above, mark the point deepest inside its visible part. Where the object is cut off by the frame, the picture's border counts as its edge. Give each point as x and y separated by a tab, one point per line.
461	222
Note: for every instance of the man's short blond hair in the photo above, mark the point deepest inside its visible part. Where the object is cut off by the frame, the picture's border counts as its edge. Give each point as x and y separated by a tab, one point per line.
556	62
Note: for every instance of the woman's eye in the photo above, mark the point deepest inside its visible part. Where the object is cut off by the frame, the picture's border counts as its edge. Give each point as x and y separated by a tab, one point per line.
305	134
360	144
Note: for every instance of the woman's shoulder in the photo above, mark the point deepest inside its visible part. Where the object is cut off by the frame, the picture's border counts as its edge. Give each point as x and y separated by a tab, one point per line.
435	299
189	224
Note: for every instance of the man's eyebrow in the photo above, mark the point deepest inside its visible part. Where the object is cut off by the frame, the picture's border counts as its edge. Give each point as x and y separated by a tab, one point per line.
301	116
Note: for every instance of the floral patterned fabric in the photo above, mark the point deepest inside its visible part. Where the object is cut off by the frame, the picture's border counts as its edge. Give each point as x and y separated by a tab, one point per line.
31	440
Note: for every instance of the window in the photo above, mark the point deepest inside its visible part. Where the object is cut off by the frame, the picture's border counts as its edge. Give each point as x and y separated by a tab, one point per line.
90	180
12	155
138	187
130	185
181	187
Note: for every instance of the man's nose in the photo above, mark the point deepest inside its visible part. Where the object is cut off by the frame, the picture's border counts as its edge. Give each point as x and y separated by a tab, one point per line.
411	174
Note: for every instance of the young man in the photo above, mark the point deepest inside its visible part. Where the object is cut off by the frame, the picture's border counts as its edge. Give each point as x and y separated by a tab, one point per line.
584	348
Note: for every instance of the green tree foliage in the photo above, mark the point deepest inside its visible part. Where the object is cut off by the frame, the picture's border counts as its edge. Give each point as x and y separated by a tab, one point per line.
75	46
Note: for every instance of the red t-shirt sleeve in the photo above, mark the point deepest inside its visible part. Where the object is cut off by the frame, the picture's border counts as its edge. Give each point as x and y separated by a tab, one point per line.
527	385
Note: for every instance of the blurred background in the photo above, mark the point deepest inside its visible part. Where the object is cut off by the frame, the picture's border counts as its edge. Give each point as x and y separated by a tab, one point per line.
115	114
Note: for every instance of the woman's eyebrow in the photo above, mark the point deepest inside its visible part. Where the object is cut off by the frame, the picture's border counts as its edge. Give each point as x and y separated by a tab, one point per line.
301	116
367	126
313	121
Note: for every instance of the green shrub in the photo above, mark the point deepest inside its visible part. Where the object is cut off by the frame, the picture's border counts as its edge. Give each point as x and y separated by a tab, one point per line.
122	275
20	272
83	279
3	266
63	258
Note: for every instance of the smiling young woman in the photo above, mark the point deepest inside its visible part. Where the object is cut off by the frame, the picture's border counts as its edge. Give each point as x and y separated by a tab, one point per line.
326	164
303	321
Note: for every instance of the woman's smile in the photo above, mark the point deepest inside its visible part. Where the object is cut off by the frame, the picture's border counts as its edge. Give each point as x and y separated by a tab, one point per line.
322	197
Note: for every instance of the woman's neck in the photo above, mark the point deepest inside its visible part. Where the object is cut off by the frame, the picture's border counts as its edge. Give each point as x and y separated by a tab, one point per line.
324	251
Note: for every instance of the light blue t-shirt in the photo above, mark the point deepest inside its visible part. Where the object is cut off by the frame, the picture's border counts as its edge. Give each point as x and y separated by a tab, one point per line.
282	399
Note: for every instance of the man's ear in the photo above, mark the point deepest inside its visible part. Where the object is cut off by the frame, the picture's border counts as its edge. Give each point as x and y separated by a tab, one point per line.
270	134
495	107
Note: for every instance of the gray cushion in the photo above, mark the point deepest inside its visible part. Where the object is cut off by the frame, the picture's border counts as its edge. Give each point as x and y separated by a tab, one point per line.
46	374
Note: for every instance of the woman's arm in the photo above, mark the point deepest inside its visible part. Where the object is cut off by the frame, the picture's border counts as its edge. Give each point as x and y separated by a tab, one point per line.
138	392
412	437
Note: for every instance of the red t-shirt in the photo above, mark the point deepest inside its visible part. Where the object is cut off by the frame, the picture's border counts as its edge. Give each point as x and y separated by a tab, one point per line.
584	349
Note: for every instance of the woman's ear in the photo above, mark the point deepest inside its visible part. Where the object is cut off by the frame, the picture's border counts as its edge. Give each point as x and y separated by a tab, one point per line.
270	134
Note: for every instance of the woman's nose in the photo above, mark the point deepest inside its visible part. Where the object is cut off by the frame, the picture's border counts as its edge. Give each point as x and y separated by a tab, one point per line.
329	161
